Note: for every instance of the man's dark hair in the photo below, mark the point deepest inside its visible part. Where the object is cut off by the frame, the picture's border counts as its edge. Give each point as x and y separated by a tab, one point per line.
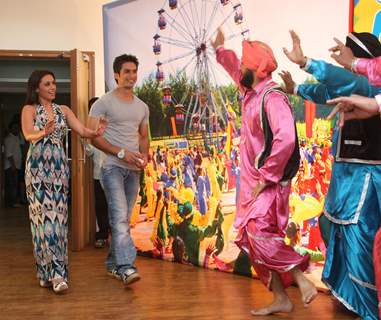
118	62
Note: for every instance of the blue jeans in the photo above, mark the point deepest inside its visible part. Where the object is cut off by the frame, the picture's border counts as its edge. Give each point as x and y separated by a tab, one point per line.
121	187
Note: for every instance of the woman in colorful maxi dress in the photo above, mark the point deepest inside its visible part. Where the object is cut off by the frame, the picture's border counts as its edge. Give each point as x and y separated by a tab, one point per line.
44	125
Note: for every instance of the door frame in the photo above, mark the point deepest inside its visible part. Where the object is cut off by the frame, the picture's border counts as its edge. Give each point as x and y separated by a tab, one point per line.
82	89
3	126
82	217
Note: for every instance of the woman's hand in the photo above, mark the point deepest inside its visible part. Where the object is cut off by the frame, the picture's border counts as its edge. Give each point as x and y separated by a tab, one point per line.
49	127
102	125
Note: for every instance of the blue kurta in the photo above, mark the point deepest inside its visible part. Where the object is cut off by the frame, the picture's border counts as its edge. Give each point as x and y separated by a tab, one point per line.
353	202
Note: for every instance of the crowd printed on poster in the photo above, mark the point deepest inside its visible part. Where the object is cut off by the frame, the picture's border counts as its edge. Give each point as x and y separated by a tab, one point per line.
187	204
178	144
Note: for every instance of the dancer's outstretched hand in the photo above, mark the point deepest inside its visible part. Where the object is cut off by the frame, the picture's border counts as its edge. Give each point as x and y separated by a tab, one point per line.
289	84
346	113
342	54
296	55
353	107
355	101
219	40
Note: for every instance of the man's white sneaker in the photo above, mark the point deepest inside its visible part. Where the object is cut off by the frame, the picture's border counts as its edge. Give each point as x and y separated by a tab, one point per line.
130	276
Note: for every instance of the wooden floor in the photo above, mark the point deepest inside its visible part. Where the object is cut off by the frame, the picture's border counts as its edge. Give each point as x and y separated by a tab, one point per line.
166	291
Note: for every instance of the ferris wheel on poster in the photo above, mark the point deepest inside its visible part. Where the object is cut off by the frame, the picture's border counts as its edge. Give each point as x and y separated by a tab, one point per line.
182	45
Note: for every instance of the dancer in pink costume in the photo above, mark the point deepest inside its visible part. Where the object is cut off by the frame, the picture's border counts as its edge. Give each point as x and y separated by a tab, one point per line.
262	213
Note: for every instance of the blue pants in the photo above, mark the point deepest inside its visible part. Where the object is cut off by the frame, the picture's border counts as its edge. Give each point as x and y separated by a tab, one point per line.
121	187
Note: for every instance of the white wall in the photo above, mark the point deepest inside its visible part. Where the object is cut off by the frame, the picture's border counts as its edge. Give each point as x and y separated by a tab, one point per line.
316	22
54	25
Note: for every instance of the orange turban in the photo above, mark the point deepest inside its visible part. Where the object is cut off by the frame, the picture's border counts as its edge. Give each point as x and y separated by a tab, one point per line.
258	56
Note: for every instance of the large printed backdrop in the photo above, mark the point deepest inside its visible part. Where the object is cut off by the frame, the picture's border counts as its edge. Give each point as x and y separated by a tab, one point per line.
367	16
208	241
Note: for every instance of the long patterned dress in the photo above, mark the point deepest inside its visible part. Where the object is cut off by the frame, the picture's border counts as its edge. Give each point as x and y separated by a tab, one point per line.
47	186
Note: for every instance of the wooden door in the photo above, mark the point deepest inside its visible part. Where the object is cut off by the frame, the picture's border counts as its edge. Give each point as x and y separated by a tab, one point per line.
2	155
82	89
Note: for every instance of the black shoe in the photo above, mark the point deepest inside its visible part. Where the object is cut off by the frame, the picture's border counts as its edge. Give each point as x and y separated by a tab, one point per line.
100	243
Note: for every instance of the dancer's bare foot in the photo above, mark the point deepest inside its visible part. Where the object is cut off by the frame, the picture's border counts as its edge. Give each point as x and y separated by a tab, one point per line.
283	305
308	291
306	287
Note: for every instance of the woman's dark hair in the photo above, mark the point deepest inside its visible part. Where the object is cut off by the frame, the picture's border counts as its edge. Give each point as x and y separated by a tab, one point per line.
369	40
33	83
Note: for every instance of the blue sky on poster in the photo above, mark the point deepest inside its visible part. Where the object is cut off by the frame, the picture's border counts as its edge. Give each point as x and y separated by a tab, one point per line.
131	26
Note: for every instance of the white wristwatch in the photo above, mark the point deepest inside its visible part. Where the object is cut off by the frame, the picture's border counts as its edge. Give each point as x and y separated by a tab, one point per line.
121	154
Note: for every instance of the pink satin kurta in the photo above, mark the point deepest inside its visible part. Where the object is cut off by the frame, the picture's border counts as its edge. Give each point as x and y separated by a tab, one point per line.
262	222
370	68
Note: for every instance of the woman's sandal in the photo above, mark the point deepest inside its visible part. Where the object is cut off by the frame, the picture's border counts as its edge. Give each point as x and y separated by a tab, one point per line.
60	287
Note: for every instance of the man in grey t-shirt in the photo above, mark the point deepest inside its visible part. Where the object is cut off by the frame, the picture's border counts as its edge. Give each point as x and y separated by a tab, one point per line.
126	143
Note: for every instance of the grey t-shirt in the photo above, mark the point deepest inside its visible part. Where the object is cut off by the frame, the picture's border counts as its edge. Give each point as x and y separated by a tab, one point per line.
124	119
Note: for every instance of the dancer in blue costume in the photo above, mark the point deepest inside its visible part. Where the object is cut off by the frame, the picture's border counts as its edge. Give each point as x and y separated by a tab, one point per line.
353	203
